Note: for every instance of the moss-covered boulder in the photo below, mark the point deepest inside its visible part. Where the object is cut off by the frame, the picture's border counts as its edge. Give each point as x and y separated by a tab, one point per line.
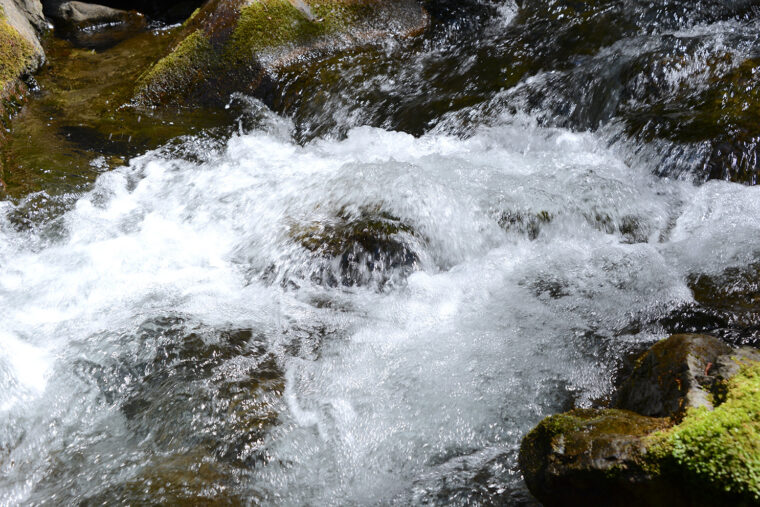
20	55
716	453
668	378
709	456
20	50
237	45
590	457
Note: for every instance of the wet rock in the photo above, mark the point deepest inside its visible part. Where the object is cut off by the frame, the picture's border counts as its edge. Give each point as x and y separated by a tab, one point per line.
236	46
666	379
358	248
591	457
170	11
708	456
20	49
72	16
728	365
21	54
26	17
524	223
730	299
717	113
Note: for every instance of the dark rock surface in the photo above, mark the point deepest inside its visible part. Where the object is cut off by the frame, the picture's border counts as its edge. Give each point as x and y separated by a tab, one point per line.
592	457
666	379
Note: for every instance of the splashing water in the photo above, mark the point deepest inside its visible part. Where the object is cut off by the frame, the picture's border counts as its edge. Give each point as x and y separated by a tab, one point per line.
170	322
302	317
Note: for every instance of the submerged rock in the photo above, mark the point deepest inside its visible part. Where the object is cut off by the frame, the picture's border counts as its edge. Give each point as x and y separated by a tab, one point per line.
358	248
237	46
704	451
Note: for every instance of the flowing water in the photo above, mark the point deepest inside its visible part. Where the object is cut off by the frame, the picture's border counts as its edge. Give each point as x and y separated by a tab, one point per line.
365	301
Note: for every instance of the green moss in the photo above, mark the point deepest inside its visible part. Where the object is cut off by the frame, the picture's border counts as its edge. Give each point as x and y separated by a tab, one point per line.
190	19
720	447
231	45
277	23
16	54
186	59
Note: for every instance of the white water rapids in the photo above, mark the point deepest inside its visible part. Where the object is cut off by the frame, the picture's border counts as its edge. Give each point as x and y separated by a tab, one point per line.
411	392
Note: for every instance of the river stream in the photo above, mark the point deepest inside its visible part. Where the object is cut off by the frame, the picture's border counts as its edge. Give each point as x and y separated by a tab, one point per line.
368	296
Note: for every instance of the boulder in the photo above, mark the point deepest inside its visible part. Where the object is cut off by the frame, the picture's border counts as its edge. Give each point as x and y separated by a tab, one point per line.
704	451
93	26
26	17
592	457
20	51
669	377
238	45
21	23
81	15
358	247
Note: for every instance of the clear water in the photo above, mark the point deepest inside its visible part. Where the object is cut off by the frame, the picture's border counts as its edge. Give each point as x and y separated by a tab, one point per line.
172	337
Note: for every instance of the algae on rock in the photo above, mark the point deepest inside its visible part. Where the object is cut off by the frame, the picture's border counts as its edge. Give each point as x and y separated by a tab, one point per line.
18	56
704	456
721	447
236	45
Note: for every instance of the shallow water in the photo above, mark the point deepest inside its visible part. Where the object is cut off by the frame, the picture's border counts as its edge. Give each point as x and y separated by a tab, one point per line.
172	333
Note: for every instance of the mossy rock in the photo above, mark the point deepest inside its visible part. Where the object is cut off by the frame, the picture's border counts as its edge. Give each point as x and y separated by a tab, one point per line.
591	457
710	457
358	247
20	55
666	379
717	452
236	46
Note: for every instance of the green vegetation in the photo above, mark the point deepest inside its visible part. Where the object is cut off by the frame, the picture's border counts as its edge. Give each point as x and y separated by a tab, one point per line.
221	48
212	51
270	23
188	59
720	447
16	54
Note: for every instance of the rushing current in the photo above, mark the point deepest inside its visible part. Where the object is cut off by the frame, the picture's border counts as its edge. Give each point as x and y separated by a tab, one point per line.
368	317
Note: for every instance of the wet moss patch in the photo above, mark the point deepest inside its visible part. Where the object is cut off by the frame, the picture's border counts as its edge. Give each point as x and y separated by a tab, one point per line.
231	46
719	448
16	53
